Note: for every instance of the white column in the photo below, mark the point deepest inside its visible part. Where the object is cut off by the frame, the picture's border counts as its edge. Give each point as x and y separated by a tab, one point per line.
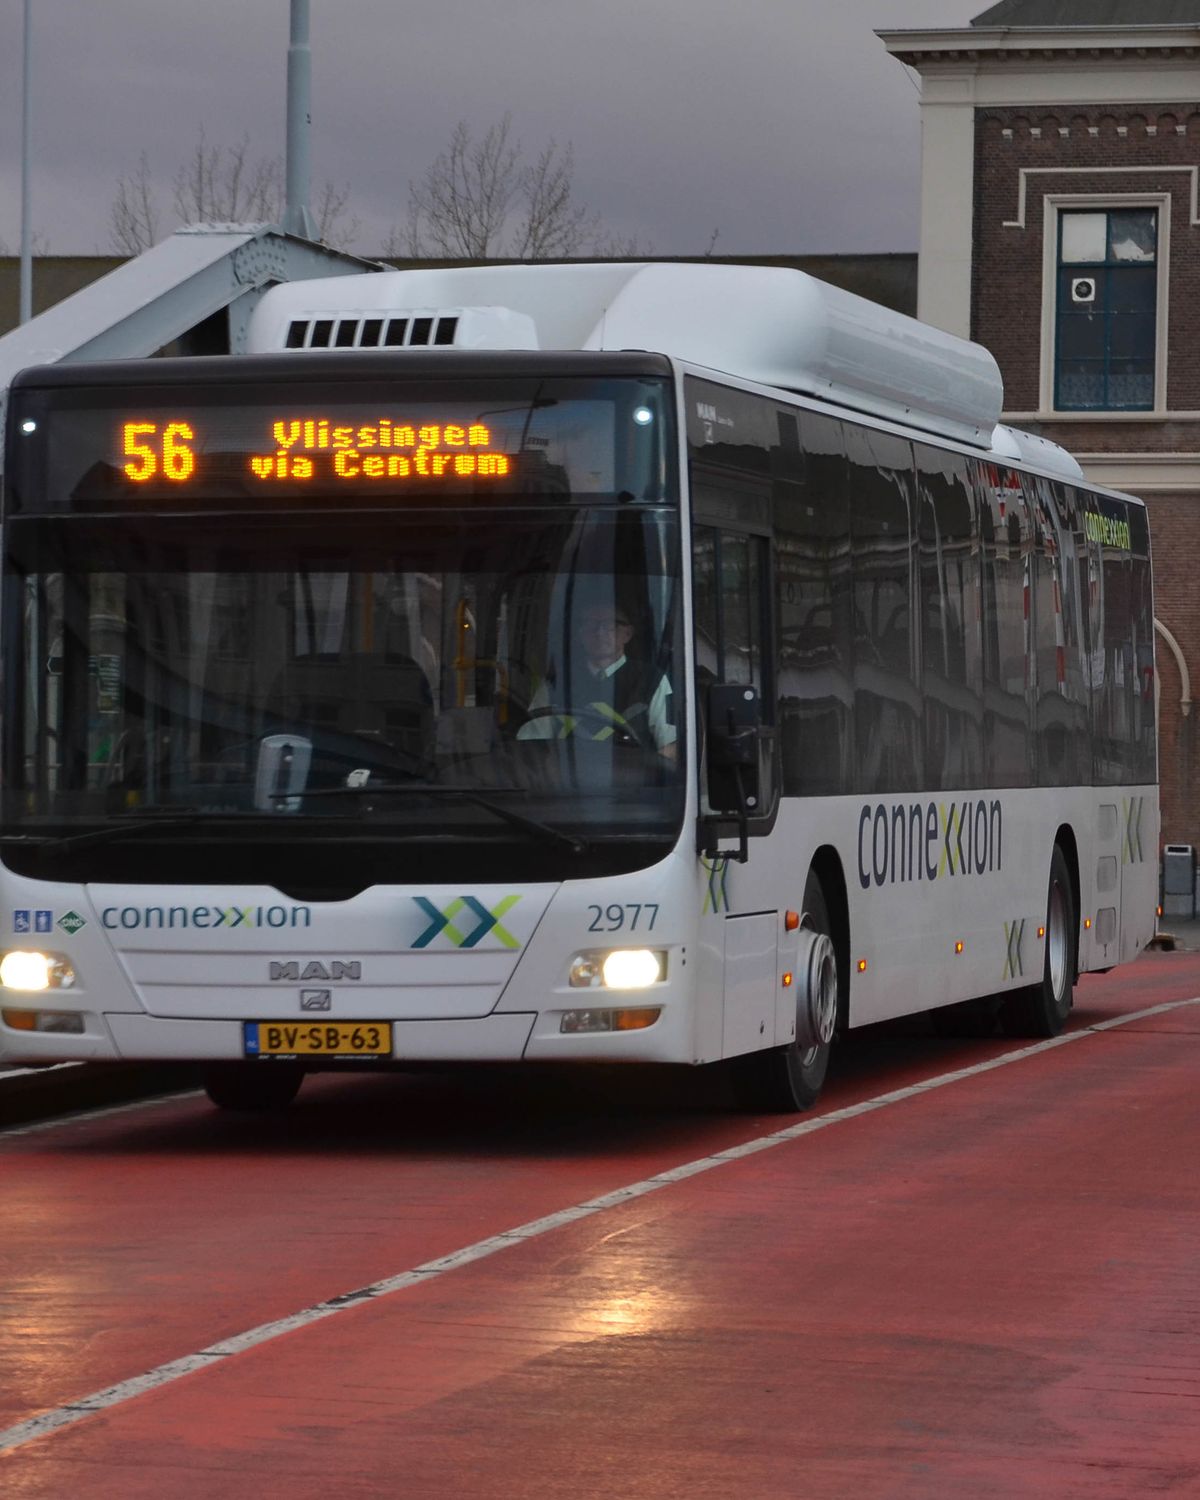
947	199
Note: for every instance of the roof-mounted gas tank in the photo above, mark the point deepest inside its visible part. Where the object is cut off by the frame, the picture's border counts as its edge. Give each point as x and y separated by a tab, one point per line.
772	325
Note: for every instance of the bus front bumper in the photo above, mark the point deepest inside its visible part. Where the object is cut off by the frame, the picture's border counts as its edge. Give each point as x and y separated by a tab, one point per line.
499	1037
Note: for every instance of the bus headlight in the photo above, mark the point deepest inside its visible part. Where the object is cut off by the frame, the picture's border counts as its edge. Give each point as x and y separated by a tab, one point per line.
619	969
633	969
22	970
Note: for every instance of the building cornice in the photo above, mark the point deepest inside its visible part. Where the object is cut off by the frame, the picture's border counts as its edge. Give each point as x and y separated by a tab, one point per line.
1143	473
1107	418
1063	83
1009	45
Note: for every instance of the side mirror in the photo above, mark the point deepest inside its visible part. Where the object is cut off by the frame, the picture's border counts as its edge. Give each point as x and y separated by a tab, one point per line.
734	729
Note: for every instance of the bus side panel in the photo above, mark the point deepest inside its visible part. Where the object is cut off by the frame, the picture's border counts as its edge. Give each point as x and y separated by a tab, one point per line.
946	897
961	673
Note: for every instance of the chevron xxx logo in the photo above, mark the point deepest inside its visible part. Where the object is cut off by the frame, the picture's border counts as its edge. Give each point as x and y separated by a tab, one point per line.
1131	849
1014	934
477	921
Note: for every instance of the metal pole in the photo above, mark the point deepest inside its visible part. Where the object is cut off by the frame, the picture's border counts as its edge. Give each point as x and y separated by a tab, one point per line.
25	308
296	217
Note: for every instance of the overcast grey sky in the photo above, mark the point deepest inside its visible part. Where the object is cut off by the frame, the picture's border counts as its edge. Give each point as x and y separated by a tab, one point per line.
782	125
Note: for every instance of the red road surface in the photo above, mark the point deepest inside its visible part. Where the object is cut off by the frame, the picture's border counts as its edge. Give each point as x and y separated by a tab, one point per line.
990	1288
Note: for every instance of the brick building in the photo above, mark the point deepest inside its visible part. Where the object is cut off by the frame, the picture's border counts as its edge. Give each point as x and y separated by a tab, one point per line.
1060	226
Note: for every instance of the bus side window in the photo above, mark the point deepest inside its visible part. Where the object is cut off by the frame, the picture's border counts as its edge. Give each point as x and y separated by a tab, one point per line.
814	605
728	570
741	607
1007	564
1060	720
706	599
731	614
1143	763
951	659
887	711
1121	632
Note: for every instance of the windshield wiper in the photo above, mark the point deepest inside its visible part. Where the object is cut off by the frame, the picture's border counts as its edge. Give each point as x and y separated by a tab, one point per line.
129	825
534	826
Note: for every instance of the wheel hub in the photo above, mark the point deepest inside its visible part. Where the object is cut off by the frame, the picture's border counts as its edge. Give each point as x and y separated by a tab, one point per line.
816	990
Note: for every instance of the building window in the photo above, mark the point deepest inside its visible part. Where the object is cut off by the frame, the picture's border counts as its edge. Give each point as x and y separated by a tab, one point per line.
1106	310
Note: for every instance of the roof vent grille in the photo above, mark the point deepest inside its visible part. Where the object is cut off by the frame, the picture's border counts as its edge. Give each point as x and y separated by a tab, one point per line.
409	328
372	333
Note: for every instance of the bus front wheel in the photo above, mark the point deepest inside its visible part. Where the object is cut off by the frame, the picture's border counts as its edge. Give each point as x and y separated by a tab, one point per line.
786	1079
1042	1009
252	1087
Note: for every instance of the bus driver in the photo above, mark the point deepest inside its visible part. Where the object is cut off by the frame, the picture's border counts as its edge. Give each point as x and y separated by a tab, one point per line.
605	693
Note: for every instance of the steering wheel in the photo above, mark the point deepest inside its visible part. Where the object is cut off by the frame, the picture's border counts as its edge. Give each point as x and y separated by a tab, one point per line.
591	716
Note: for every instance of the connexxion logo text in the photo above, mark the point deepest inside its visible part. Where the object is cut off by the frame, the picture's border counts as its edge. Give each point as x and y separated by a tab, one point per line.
133	917
926	840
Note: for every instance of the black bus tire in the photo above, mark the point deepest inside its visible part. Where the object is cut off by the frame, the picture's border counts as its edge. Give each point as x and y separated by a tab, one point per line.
252	1087
784	1080
1043	1008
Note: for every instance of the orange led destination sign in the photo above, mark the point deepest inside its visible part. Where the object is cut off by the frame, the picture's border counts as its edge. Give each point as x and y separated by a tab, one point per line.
315	448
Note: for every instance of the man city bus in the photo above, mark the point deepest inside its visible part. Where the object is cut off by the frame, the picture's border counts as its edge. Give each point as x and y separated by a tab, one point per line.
634	663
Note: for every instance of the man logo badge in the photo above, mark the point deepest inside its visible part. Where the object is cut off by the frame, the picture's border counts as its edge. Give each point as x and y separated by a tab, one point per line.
335	968
316	999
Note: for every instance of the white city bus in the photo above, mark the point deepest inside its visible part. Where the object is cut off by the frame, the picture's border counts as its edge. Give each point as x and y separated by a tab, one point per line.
642	663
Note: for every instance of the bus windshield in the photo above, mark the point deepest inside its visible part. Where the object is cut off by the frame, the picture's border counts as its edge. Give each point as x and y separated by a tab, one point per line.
326	701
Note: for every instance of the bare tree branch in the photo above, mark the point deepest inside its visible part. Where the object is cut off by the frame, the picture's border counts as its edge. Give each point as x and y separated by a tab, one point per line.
221	185
460	206
551	226
480	199
38	244
333	228
133	216
621	247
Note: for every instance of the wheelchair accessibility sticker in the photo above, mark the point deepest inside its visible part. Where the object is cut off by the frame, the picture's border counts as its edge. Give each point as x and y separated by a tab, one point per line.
27	920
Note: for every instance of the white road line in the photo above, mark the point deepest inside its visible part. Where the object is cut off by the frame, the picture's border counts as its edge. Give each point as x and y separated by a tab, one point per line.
127	1390
7	1073
104	1112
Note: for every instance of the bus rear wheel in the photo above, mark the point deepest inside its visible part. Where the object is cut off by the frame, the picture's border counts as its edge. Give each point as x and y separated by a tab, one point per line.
252	1087
1042	1009
786	1079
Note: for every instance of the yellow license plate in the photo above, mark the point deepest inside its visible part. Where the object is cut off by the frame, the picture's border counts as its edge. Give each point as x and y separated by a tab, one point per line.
318	1039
